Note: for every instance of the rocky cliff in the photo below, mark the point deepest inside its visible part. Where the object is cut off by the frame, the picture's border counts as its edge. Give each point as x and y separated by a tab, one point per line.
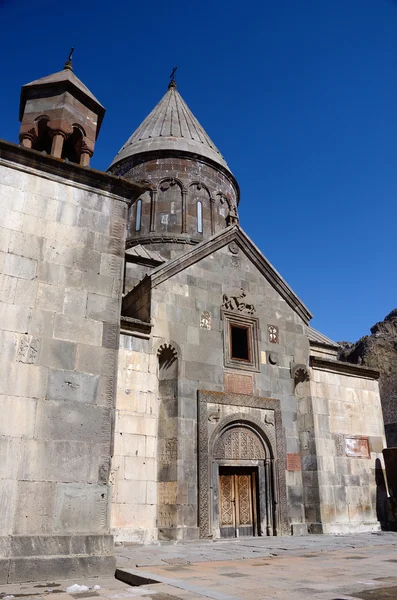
379	351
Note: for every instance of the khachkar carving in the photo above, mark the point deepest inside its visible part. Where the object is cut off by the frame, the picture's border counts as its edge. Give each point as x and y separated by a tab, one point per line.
237	303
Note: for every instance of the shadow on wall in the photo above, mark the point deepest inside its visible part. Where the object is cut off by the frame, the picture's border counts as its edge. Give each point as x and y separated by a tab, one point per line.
386	504
381	496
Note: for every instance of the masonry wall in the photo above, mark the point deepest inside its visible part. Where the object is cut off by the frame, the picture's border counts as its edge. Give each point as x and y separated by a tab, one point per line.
134	465
346	406
61	265
176	309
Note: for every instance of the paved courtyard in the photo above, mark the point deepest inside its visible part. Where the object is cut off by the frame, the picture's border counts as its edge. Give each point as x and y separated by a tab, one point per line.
324	567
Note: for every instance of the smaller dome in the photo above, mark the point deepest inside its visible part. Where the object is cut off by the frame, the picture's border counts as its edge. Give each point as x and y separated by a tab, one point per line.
171	126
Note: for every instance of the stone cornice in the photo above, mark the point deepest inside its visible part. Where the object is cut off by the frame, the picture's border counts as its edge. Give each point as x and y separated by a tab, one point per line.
219	240
70	172
130	161
162	239
343	368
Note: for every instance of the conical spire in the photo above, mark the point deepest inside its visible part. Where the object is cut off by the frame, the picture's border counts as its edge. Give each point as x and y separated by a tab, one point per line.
171	126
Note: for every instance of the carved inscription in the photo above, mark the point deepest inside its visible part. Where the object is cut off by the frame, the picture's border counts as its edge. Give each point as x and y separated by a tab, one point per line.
357	447
170	451
239	384
167	492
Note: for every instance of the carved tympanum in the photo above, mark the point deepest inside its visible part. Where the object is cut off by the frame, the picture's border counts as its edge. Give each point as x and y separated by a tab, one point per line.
239	443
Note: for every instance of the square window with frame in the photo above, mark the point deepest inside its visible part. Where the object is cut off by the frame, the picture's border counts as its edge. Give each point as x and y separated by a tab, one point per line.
240	341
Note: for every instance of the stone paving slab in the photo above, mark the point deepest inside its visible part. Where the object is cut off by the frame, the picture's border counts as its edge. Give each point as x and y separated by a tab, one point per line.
133	556
327	568
338	568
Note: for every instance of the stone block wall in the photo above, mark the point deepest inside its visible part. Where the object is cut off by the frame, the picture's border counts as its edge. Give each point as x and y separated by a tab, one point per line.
177	306
61	266
346	407
134	465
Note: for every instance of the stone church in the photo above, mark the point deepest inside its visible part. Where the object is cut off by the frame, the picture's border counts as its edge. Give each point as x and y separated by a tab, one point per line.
159	378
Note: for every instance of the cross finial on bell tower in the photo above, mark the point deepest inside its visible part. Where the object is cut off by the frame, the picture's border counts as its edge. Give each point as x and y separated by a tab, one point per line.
172	83
68	63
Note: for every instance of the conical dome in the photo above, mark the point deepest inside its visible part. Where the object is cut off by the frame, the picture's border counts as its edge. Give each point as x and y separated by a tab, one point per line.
171	126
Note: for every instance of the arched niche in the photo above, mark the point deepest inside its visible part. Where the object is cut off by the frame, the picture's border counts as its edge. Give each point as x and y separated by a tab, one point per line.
167	439
221	211
169	207
139	215
198	210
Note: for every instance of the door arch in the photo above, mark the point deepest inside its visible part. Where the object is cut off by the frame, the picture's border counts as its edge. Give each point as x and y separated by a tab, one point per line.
244	481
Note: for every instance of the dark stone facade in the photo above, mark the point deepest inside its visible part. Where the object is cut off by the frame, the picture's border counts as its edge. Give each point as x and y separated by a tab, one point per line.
169	209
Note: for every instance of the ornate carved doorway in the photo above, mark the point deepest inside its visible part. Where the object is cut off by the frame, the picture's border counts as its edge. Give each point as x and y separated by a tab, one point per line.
238	502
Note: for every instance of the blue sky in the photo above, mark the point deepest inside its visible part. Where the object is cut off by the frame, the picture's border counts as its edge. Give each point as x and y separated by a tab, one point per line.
300	98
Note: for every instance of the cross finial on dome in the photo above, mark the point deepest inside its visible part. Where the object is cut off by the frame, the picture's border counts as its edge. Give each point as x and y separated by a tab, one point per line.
172	83
68	63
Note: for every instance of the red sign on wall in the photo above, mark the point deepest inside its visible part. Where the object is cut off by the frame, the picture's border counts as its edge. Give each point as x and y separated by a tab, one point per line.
357	447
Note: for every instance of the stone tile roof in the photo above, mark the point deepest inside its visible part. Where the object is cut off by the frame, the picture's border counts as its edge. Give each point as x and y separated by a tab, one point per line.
319	338
171	126
141	252
66	75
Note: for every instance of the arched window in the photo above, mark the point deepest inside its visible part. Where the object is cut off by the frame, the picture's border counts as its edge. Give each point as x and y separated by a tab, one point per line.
199	217
70	149
138	215
43	141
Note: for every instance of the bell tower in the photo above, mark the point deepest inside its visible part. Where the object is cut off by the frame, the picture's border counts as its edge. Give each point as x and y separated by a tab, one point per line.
59	115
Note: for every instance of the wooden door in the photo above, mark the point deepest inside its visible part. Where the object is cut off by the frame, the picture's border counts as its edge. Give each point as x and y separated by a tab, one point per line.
237	503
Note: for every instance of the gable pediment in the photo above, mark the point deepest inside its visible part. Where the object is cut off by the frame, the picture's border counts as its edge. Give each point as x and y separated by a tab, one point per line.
225	237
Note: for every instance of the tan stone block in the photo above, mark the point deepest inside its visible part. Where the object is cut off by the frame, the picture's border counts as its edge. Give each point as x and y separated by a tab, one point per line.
151	492
84	331
127	444
138	424
13	220
26	292
50	297
7	503
12	198
125	515
41	206
140	469
25	244
151	447
75	302
34	508
41	323
5	235
19	266
147	516
33	225
10	452
18	416
26	380
117	469
65	234
8	286
14	318
130	492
